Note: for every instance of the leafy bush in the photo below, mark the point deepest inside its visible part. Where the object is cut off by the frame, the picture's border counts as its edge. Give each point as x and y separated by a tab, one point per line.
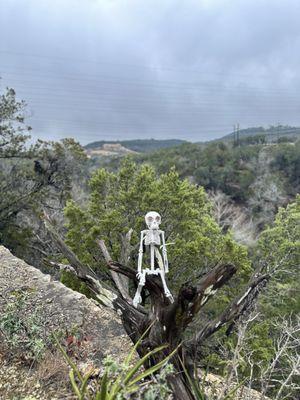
21	333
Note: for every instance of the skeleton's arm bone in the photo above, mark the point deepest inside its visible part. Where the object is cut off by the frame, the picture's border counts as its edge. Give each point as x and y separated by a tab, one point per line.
140	258
164	251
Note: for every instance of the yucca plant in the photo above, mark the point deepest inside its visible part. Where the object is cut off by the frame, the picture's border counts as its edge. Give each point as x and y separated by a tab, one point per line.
123	382
198	386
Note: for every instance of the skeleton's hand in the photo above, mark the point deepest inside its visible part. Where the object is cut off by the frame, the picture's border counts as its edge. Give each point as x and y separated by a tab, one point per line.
139	275
137	300
166	266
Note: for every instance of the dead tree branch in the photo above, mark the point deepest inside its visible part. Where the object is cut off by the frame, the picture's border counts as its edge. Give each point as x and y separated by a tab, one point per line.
239	306
167	322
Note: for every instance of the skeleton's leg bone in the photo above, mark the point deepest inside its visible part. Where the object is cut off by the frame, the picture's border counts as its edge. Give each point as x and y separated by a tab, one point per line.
166	289
159	258
137	297
164	251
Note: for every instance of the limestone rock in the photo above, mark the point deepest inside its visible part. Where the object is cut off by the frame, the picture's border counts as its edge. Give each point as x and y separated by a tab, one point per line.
60	308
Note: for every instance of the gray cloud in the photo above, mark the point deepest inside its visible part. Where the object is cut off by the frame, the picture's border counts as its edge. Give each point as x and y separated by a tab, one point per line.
126	69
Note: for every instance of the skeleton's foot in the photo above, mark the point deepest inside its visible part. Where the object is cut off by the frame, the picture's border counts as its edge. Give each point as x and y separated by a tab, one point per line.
136	300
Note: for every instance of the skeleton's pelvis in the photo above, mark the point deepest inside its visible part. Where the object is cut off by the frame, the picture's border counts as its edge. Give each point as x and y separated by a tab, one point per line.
158	261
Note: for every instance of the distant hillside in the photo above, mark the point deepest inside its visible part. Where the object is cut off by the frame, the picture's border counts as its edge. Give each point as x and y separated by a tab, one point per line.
138	145
272	133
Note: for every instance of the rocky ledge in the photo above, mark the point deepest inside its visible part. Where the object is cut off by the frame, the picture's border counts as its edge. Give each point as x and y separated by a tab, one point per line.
93	330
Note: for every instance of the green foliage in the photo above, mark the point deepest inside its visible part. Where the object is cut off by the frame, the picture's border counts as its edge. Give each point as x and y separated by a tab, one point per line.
287	162
271	133
214	166
279	245
259	340
32	177
16	237
119	201
22	334
248	173
287	139
159	389
256	139
121	380
195	384
72	282
279	249
256	174
13	131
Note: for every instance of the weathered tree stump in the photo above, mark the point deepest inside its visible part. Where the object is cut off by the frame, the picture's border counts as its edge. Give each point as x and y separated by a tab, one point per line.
164	321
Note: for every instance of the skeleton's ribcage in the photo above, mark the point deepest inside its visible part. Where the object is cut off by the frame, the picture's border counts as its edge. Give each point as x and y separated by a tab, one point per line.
152	237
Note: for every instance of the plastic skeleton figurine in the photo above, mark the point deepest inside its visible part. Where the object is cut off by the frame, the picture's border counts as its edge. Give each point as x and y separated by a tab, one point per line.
152	237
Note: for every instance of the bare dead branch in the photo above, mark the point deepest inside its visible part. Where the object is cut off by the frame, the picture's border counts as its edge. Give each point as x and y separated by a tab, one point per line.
126	249
81	270
120	283
235	310
191	299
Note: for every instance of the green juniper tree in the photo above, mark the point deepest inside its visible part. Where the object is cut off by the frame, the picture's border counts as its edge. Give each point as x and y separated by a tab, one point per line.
279	249
271	351
118	204
202	261
32	177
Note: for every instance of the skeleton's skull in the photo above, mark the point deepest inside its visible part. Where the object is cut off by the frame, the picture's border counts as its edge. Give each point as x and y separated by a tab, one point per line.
153	220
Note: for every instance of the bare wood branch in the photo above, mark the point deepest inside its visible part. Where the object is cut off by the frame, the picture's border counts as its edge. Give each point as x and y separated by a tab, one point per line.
81	269
104	295
126	249
104	250
86	274
235	310
119	282
192	298
132	318
211	282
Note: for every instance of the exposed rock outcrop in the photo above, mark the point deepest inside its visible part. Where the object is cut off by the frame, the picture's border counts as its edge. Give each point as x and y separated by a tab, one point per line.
59	307
60	310
109	149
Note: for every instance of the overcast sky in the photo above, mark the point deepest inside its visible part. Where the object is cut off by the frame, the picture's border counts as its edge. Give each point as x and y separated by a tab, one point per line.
124	69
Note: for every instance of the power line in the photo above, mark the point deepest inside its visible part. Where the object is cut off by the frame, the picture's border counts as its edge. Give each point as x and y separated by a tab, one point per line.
157	84
163	97
135	66
99	95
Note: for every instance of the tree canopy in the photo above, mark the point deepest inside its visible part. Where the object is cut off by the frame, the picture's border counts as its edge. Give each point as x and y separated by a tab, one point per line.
279	249
119	202
33	176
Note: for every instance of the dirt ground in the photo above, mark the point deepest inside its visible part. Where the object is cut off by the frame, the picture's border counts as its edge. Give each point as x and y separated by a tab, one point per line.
19	382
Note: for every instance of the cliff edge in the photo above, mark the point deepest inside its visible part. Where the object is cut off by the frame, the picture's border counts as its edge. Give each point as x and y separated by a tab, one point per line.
28	295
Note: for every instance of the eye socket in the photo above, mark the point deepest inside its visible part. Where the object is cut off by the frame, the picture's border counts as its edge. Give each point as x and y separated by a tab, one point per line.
157	219
150	219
